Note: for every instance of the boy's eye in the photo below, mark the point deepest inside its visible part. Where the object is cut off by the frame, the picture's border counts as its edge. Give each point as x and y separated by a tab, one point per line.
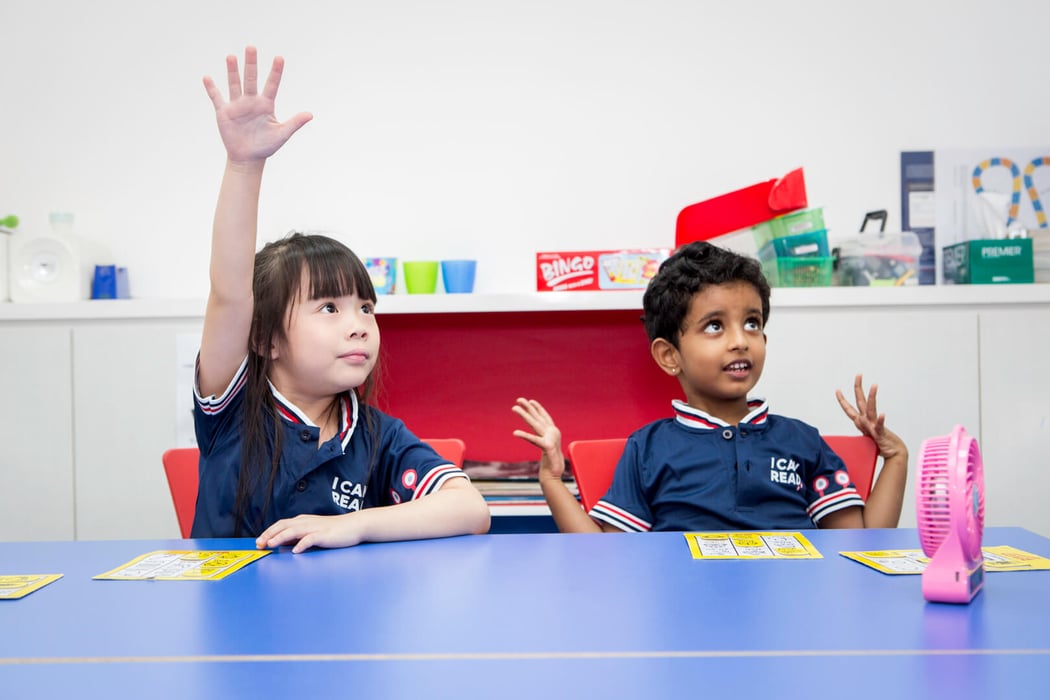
753	324
713	327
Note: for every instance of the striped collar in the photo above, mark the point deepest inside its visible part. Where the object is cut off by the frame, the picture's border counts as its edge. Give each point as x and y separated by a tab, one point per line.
695	418
348	413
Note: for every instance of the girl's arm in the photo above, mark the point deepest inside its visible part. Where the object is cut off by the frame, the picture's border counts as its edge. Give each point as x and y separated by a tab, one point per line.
455	509
250	133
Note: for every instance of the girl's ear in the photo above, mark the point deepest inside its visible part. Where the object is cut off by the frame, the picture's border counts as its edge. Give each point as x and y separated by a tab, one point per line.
666	356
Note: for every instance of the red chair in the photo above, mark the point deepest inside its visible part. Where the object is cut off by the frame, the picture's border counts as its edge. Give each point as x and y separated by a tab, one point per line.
860	453
451	449
180	466
594	461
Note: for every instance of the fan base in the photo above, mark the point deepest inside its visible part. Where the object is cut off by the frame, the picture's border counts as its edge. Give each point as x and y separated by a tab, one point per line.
952	584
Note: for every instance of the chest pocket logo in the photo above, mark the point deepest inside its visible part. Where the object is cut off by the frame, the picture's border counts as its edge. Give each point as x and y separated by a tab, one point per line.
785	471
348	495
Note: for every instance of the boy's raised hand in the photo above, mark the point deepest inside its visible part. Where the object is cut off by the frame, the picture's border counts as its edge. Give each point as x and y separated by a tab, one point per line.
247	123
865	415
545	435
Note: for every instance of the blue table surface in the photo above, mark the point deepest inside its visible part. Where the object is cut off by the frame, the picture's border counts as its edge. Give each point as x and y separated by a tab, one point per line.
523	615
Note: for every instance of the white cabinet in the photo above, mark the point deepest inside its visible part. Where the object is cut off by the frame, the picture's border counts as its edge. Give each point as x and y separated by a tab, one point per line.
36	433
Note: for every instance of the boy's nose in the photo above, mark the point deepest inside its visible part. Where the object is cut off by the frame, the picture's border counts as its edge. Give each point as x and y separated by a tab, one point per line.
738	339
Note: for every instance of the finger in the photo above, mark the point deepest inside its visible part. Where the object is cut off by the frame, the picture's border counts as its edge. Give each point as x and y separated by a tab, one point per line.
542	411
233	77
847	407
872	404
527	409
273	81
303	544
213	93
858	390
529	437
269	532
251	71
295	123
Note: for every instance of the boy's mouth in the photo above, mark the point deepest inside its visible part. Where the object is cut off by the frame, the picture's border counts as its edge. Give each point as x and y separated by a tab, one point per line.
738	368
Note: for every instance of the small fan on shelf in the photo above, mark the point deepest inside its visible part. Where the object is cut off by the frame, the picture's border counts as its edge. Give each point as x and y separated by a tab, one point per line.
950	502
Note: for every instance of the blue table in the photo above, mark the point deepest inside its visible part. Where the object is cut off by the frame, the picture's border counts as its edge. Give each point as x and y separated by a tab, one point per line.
532	615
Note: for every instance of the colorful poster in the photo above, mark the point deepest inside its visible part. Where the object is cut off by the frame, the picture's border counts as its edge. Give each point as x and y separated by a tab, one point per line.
14	586
751	545
912	561
178	565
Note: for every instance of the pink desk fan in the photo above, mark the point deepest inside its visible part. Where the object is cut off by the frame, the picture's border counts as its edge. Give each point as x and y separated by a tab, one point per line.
950	502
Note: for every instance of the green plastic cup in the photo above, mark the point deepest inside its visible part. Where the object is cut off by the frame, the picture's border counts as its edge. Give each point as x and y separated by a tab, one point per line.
420	276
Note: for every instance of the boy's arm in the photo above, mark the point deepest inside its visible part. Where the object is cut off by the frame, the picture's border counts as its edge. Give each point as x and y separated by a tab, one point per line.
455	509
883	508
568	514
250	133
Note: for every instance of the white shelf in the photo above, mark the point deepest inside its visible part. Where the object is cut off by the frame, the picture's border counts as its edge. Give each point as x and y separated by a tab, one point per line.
783	297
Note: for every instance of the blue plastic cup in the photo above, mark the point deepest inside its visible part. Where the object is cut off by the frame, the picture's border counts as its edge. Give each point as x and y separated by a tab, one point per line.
458	275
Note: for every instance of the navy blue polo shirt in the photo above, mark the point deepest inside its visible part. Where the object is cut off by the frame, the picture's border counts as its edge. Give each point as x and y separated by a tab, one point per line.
330	480
695	472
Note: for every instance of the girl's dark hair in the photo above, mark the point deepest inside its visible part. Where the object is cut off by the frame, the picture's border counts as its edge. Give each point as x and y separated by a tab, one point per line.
333	271
693	267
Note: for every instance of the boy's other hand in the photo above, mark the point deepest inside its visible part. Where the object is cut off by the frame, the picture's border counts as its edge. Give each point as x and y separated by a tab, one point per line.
545	434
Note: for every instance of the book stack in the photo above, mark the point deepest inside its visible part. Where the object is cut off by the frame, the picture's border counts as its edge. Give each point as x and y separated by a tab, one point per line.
509	481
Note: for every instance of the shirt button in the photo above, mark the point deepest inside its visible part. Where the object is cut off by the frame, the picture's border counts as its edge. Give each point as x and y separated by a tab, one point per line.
301	486
305	436
727	434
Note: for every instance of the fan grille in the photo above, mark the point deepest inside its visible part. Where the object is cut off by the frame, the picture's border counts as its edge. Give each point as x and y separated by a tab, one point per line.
934	495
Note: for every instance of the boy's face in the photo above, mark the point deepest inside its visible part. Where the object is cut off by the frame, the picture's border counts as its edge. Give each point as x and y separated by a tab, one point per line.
722	349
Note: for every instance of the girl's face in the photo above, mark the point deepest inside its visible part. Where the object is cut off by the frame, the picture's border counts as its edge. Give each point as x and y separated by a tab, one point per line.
722	349
332	345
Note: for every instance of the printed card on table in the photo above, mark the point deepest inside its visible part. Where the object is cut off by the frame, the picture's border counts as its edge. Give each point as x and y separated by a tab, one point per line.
751	545
16	586
181	565
912	561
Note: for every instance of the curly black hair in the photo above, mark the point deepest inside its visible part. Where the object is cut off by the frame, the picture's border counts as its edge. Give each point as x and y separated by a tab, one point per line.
690	269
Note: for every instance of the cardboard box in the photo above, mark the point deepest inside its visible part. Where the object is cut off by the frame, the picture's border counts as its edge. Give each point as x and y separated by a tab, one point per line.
990	261
741	208
588	270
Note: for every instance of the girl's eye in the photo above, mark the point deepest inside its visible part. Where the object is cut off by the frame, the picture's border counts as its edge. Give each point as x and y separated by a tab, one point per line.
368	309
329	308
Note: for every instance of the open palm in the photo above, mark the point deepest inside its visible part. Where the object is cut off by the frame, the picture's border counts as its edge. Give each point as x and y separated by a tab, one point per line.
247	123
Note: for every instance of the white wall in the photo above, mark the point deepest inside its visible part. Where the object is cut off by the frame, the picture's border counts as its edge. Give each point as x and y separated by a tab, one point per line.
493	128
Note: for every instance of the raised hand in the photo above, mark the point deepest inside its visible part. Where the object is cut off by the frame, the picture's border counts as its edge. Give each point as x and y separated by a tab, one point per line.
865	415
247	122
545	435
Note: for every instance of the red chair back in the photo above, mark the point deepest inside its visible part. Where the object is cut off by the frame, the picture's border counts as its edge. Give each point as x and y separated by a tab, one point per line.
180	466
860	453
593	463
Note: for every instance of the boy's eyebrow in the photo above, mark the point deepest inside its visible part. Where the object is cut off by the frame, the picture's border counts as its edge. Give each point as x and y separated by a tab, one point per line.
715	313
